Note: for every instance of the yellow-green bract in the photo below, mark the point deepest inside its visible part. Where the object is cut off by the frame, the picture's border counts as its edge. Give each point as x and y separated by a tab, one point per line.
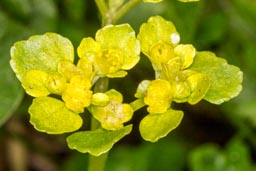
96	142
50	115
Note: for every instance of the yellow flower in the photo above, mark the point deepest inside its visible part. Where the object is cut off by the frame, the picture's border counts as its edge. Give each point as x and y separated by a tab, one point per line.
114	114
158	96
114	50
77	95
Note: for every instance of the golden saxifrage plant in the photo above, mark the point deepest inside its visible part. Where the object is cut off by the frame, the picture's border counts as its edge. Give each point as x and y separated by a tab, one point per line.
63	90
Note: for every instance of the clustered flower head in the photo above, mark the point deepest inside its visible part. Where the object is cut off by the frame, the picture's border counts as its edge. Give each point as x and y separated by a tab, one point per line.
175	81
114	50
45	66
63	90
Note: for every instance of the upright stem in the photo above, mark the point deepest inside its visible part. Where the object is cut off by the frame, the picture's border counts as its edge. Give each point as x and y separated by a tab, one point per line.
137	104
97	163
101	4
124	9
108	17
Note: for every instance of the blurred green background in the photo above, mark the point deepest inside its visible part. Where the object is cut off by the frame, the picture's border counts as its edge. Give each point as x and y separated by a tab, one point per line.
210	137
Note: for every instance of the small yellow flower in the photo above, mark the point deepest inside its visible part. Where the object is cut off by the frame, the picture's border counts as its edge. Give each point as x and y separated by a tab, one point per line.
56	83
77	95
158	96
186	52
114	50
161	52
114	114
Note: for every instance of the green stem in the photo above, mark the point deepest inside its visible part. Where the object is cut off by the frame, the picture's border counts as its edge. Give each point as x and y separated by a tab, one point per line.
103	9
97	163
137	104
108	17
124	9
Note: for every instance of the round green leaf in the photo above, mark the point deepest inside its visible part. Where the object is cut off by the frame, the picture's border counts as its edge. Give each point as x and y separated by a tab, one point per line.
199	85
155	126
40	52
34	82
96	142
225	79
50	115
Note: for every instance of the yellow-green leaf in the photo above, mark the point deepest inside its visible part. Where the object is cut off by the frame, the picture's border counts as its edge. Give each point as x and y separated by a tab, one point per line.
35	83
225	79
199	84
96	142
155	126
50	115
40	52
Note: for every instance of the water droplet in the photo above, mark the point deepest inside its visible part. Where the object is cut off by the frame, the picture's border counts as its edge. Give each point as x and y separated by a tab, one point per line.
175	38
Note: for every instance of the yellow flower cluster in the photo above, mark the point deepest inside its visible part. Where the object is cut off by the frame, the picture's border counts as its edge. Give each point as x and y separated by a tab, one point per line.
175	81
45	66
